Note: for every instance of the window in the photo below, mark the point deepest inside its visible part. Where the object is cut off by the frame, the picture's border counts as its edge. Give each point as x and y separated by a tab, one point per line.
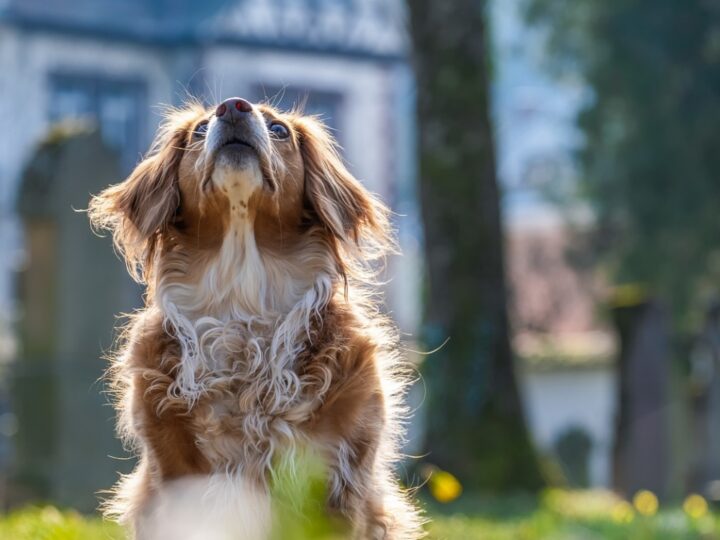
116	104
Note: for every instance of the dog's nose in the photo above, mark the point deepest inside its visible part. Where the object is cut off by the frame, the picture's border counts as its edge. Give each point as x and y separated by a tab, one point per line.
232	108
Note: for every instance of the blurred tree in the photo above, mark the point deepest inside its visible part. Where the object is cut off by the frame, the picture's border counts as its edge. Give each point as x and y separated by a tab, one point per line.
475	424
650	163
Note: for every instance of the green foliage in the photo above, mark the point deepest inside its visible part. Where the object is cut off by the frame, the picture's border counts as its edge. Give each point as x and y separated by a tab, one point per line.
650	163
299	494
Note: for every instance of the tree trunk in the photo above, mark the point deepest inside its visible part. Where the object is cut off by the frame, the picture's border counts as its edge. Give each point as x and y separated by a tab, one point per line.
476	427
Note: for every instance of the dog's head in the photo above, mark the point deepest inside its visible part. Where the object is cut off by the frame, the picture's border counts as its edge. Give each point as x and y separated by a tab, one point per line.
210	168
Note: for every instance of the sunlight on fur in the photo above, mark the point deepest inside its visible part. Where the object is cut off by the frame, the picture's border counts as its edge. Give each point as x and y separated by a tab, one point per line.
262	335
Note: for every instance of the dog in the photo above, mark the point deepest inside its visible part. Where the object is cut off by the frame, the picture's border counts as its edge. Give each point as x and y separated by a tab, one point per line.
261	336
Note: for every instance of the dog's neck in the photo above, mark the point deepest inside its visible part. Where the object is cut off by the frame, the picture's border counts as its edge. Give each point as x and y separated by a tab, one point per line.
243	297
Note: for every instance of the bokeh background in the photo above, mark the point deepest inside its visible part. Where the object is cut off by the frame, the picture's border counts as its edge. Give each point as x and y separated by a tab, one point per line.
555	176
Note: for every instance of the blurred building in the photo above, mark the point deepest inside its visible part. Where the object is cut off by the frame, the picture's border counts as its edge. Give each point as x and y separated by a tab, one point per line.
115	63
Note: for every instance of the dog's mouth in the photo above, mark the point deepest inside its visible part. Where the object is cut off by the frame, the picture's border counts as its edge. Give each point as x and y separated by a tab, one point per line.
235	142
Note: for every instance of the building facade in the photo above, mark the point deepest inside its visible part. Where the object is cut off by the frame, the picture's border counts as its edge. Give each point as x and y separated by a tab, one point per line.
120	63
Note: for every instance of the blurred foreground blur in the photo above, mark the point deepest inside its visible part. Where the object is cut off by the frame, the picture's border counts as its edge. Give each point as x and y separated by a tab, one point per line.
558	514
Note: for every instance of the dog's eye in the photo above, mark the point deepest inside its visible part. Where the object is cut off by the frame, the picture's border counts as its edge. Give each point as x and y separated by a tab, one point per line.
280	131
201	129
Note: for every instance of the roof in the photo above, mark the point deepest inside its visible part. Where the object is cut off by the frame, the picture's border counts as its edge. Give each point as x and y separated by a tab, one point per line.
352	27
554	302
152	19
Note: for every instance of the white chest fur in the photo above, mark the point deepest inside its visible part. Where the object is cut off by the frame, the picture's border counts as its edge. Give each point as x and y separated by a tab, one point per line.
241	326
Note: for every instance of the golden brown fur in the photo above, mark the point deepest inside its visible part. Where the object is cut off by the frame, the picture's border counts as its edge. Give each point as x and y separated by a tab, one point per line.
259	335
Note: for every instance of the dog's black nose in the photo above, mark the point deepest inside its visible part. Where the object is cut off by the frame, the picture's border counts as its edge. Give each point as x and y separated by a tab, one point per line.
233	107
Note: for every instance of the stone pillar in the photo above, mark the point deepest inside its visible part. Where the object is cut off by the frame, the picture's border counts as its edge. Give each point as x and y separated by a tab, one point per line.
642	440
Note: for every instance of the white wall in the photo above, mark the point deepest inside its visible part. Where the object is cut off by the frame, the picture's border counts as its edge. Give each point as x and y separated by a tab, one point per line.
556	400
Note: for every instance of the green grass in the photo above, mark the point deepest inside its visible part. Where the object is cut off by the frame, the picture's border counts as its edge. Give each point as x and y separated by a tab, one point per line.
545	526
555	516
568	515
49	523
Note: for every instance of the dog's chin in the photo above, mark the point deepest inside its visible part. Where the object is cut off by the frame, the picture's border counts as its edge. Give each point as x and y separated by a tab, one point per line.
237	171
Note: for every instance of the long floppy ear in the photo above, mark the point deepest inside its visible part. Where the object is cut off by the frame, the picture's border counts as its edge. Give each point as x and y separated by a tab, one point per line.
139	209
354	217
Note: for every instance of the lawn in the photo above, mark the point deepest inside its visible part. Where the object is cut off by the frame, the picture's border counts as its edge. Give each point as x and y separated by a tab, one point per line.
557	515
575	515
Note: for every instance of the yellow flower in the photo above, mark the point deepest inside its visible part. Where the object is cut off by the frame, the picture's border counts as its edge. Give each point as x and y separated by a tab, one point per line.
646	503
695	506
444	486
622	512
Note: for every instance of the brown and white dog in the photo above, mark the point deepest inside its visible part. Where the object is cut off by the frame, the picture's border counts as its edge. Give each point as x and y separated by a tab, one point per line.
260	337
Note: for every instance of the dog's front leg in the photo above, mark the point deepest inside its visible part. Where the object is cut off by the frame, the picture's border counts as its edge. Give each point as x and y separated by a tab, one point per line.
355	490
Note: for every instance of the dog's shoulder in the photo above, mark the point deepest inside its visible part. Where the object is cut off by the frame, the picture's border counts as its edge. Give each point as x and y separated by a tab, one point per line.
148	344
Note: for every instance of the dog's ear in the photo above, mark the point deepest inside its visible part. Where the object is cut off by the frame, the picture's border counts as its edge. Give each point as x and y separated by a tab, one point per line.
353	216
139	209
